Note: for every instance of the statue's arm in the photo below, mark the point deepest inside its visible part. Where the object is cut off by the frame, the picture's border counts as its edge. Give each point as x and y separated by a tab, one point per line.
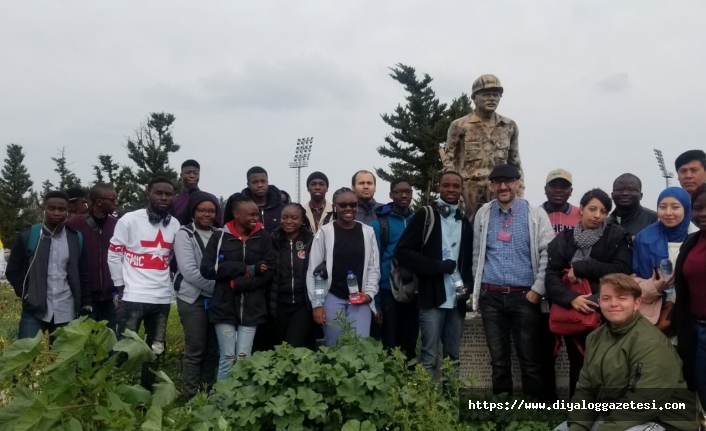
453	139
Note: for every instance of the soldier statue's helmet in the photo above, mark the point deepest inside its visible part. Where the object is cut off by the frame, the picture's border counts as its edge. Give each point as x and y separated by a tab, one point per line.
486	82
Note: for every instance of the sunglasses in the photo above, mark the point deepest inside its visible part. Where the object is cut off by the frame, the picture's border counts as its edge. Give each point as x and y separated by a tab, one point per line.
351	205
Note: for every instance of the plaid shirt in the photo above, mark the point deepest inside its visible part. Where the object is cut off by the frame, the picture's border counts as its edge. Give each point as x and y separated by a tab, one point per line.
509	263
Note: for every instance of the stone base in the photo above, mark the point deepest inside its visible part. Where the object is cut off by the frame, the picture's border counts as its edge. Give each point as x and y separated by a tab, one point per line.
475	360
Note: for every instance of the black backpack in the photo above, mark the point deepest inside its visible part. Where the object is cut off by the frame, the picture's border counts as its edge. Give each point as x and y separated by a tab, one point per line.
403	282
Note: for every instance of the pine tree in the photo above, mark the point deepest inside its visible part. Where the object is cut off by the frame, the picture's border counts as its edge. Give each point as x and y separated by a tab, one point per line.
106	171
16	209
419	130
149	149
67	178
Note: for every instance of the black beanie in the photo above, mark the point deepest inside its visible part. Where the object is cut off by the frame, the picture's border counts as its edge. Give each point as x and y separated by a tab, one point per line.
195	198
317	176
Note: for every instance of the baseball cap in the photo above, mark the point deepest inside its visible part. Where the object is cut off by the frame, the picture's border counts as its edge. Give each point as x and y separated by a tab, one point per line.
559	174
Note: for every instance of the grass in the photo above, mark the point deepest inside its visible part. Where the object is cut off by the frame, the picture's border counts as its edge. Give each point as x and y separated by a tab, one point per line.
11	307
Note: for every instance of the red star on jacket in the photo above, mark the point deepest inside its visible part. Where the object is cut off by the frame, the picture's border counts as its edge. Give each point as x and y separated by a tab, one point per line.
146	260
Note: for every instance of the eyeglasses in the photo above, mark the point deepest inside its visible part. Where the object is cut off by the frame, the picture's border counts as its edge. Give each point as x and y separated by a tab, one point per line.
506	182
627	190
403	192
351	205
205	212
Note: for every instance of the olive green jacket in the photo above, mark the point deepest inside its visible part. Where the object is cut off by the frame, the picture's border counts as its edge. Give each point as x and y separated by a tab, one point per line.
632	362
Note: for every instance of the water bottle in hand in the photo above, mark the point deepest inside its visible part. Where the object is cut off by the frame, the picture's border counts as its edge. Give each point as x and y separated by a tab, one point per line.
319	290
456	279
353	291
665	267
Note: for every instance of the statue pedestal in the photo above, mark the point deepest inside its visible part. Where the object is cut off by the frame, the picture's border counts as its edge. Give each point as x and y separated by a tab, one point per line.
475	360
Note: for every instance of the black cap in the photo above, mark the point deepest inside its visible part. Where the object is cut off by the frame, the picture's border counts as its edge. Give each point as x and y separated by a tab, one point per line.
505	171
75	193
196	197
317	176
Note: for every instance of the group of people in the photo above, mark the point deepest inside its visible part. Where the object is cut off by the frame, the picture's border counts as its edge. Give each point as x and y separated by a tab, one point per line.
263	270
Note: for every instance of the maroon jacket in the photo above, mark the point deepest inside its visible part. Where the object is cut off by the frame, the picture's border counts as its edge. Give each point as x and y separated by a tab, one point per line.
96	243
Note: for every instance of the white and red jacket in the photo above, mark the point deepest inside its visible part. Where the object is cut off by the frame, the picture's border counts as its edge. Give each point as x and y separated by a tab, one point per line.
139	257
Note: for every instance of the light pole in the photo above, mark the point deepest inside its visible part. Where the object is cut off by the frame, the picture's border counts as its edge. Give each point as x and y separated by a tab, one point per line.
301	160
660	161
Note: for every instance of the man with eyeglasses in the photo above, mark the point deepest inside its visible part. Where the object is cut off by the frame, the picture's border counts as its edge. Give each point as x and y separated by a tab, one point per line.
510	240
396	324
97	227
628	213
481	140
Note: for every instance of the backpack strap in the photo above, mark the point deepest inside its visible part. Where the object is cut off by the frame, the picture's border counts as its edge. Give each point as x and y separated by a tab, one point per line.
384	236
35	233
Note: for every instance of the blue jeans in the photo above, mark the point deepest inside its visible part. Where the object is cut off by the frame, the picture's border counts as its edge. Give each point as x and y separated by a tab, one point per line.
443	325
30	325
234	342
358	315
699	361
512	314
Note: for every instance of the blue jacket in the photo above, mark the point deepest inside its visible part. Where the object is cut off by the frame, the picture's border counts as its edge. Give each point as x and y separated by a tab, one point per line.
397	224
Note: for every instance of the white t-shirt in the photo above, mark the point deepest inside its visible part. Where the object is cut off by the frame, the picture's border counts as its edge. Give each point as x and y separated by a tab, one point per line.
139	257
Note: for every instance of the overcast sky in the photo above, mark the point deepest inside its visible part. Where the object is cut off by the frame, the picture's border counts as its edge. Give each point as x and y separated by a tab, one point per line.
593	86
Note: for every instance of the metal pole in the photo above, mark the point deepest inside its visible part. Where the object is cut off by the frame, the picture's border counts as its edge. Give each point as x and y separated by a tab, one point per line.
301	160
299	195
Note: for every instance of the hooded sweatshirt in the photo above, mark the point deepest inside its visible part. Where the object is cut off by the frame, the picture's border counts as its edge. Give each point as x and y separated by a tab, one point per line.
396	225
238	299
272	211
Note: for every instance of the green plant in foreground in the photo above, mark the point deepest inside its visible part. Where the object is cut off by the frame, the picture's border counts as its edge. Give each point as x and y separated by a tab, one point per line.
76	383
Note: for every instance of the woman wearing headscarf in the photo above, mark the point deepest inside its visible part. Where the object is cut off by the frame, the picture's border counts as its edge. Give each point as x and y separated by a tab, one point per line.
656	249
589	251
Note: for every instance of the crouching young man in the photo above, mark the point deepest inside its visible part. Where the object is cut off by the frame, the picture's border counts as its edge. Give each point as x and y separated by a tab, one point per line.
629	361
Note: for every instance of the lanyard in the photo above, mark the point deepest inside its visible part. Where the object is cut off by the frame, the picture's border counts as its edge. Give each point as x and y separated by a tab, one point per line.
505	225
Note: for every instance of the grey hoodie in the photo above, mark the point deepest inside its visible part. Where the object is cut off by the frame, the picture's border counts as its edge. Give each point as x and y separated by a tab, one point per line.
188	250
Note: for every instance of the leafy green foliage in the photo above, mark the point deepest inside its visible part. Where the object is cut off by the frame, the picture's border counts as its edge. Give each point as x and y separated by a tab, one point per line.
76	383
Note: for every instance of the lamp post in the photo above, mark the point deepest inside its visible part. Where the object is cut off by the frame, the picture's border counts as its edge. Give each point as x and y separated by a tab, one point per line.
660	161
301	160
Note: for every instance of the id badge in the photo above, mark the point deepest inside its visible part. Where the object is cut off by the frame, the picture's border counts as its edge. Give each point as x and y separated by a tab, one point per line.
504	236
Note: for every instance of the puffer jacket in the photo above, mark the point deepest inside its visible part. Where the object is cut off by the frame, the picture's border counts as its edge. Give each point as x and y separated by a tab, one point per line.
237	299
633	362
289	284
611	254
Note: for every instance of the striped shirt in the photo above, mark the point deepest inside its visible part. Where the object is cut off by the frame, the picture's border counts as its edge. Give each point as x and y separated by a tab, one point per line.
509	263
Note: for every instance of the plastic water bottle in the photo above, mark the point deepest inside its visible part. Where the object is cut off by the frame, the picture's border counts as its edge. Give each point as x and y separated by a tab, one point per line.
352	283
319	290
456	279
665	267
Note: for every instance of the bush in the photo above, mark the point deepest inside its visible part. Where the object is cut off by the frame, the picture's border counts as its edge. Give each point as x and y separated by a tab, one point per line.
76	383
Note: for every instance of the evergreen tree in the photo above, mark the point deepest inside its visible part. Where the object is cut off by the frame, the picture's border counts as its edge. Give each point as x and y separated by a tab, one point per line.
67	178
16	209
149	149
419	130
106	171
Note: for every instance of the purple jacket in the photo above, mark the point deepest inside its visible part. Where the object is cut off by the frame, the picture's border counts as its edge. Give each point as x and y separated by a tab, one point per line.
96	243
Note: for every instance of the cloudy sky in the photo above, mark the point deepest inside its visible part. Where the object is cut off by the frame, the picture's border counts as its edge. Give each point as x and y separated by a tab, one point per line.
594	86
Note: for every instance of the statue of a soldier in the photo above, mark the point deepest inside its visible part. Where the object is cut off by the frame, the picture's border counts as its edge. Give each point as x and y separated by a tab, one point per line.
478	142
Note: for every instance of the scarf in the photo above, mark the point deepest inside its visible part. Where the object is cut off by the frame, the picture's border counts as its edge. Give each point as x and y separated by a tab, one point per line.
651	244
585	239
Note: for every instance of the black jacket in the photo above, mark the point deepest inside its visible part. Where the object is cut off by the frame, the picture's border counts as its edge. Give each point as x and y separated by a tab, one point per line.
245	303
32	287
272	211
635	221
611	254
681	317
289	284
425	262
